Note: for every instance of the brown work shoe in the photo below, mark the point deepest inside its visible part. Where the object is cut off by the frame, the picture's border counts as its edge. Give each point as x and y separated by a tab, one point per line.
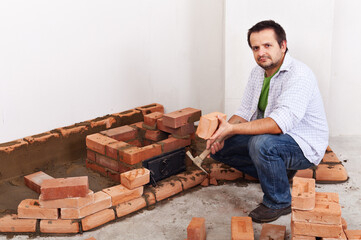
263	214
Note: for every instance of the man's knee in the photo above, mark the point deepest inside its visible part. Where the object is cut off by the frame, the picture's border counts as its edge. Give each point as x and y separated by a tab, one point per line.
260	143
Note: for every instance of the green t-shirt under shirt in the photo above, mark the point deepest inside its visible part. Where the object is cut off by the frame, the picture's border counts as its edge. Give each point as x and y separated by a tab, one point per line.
263	98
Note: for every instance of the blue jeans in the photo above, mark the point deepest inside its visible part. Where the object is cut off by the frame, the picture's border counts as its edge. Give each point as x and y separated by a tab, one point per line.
270	158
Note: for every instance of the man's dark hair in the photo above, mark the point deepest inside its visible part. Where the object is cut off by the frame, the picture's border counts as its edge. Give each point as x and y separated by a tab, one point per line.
268	24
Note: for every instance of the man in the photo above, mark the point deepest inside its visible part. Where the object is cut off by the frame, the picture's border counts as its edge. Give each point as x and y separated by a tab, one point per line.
281	125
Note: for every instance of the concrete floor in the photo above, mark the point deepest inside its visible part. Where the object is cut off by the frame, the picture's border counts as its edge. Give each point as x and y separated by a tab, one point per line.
217	204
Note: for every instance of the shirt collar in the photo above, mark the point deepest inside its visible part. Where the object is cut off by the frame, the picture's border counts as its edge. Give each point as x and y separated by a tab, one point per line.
286	65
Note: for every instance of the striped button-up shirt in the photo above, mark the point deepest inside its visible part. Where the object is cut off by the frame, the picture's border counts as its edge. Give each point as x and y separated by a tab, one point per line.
294	103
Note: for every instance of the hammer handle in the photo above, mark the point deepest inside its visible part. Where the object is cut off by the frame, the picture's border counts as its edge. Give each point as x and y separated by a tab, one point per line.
205	153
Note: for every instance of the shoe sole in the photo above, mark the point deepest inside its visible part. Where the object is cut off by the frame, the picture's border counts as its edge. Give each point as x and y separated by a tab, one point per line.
285	212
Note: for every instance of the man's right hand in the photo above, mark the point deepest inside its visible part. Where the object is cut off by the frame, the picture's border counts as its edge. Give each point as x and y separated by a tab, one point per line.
216	142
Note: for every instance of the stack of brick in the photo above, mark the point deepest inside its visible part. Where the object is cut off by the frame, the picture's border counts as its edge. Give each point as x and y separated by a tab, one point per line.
114	151
330	170
314	214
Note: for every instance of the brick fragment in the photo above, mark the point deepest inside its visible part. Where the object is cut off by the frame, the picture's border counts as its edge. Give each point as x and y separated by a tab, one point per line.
135	178
97	219
305	173
97	142
331	173
316	229
171	144
208	124
221	172
135	155
34	180
303	193
196	229
353	234
272	231
324	213
120	194
151	119
330	157
181	117
76	202
150	108
242	228
101	202
133	205
59	226
184	130
64	187
30	208
123	133
167	189
11	223
191	179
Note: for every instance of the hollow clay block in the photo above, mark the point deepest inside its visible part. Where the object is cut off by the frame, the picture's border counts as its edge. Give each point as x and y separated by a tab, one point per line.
327	197
242	228
135	178
316	229
58	188
196	229
181	117
272	231
208	124
324	212
34	180
303	193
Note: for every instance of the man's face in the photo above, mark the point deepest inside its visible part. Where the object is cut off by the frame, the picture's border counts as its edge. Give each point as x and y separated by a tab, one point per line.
266	50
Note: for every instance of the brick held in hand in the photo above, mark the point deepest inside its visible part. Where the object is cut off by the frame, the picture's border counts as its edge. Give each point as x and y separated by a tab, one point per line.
58	188
181	117
135	178
34	180
208	124
196	229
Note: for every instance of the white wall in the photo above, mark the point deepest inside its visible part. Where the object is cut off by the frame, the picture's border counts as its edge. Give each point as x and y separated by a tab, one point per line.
323	34
63	62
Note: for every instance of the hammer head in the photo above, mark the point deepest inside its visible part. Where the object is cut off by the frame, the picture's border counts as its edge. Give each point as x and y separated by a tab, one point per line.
197	161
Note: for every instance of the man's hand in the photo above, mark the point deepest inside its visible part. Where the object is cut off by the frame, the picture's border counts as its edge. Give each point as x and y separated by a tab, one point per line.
216	142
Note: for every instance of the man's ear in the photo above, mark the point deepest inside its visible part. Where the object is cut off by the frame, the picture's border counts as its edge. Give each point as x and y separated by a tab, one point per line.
284	46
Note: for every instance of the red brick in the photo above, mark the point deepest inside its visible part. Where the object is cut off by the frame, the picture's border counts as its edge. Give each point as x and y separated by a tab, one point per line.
135	178
125	208
59	226
167	189
171	144
65	187
272	231
112	149
115	176
11	223
343	237
76	202
95	167
327	197
120	194
353	234
30	208
316	229
181	117
331	173
303	193
213	181
221	172
191	179
123	133
107	162
155	135
34	180
97	219
330	157
150	108
107	122
41	138
136	143
180	131
71	130
205	182
149	198
129	116
208	124
90	155
305	173
324	213
196	229
101	202
151	119
135	155
301	237
242	228
97	142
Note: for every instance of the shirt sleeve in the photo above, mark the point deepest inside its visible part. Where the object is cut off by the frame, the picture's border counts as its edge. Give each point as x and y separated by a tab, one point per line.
292	104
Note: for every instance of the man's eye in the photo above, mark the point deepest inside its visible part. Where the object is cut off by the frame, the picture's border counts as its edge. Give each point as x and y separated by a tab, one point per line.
267	45
255	48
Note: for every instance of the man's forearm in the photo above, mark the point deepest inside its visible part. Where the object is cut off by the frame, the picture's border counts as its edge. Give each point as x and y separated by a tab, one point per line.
236	119
259	126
